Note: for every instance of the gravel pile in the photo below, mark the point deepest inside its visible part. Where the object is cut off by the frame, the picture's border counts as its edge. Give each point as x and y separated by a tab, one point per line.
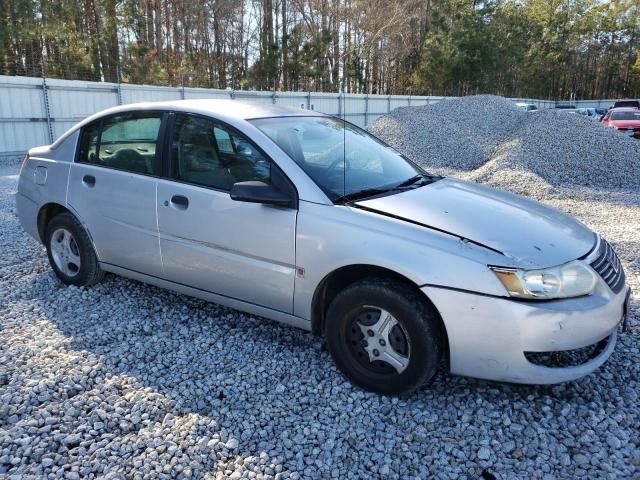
455	134
124	380
486	138
558	150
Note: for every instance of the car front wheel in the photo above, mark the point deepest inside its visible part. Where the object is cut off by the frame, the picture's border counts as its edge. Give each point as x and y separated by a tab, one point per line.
384	336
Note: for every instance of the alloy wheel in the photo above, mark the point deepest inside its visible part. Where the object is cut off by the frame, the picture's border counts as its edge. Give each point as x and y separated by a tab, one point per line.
65	252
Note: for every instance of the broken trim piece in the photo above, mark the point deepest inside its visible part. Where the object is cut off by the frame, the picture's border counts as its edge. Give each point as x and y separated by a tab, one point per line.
430	227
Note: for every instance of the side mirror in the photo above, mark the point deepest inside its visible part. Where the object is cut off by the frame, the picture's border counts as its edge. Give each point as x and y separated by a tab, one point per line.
259	192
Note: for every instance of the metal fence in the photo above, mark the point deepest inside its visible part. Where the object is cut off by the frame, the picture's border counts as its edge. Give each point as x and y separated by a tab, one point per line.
35	111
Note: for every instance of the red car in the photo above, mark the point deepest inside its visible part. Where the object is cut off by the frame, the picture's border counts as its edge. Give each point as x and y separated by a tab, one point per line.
625	119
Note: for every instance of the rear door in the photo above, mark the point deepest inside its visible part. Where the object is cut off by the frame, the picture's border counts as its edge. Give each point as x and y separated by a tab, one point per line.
112	188
241	250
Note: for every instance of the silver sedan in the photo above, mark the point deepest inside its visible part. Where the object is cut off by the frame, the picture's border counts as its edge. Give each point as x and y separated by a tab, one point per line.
306	219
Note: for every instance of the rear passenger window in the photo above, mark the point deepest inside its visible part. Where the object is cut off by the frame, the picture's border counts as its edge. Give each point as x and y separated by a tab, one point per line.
124	142
209	154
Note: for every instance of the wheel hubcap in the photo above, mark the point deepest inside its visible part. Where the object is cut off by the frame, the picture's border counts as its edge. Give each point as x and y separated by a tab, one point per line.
65	252
379	342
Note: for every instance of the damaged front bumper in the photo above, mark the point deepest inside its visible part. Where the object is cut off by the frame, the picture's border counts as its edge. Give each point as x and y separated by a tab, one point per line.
533	342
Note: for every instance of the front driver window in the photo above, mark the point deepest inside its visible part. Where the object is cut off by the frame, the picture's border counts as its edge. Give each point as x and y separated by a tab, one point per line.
209	154
341	158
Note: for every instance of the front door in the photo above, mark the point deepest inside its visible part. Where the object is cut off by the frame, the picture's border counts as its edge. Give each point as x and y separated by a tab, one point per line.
112	188
245	251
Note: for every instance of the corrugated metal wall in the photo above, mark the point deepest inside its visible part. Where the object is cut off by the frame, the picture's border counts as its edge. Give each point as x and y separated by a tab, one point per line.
34	111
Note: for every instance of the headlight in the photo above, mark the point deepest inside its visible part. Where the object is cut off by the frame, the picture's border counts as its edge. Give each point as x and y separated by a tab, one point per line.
572	279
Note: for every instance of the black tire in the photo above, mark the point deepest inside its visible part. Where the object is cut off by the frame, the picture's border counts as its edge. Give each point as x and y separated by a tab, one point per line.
89	271
419	323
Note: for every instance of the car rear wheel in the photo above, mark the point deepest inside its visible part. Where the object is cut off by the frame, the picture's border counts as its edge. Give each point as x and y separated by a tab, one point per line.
384	336
70	251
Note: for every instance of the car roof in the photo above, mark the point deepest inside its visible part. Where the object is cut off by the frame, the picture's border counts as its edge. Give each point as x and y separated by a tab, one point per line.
625	109
237	109
223	109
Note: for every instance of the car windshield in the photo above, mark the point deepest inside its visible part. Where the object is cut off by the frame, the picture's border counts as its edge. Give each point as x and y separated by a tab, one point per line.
344	160
625	115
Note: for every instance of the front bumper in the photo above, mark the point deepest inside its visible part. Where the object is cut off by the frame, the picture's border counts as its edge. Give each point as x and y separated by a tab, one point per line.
488	336
630	132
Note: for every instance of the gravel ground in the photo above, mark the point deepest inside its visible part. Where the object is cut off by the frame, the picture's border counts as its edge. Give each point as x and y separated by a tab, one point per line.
125	380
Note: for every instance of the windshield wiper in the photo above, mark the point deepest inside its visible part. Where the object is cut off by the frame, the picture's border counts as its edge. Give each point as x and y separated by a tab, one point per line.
410	181
360	194
416	181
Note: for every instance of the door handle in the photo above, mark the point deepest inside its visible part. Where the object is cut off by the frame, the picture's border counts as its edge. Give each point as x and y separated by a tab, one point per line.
180	202
89	181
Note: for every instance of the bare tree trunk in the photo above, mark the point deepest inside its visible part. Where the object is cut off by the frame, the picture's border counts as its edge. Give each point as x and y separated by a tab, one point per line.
94	35
267	43
111	41
149	35
158	29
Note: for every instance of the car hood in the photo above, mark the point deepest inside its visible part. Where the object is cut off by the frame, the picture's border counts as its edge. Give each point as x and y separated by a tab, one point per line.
527	233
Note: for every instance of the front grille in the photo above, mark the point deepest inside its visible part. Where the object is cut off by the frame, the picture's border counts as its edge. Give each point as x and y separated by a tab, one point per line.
608	266
567	358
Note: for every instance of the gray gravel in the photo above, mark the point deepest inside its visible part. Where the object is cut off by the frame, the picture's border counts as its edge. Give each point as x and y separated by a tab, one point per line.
482	137
555	149
125	380
458	134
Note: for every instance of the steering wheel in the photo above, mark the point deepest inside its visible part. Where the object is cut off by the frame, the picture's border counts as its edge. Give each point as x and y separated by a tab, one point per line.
334	164
345	159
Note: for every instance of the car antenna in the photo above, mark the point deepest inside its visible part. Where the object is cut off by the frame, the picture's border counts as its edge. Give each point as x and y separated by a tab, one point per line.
344	143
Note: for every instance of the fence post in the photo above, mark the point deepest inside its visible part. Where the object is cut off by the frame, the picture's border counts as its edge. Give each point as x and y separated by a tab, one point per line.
308	100
182	86
273	97
409	101
340	104
119	88
45	99
366	109
389	104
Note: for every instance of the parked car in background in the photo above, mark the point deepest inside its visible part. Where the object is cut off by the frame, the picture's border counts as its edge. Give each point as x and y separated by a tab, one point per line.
306	219
527	107
587	112
627	104
566	107
625	120
601	112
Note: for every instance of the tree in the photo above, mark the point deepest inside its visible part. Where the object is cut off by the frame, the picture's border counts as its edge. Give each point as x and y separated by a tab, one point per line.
523	48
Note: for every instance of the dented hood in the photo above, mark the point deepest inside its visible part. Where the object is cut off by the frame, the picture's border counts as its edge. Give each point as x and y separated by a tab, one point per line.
527	233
